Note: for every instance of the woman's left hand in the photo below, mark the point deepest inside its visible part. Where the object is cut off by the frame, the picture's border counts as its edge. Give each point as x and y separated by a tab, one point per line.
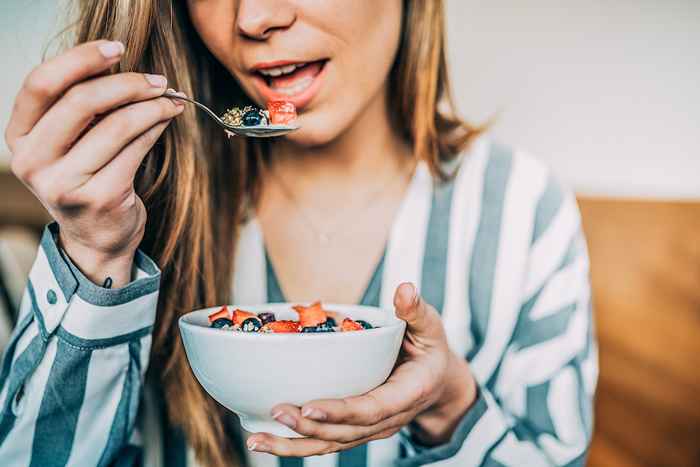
430	386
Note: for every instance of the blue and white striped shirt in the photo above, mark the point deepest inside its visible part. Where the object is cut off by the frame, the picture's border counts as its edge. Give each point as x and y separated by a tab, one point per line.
498	251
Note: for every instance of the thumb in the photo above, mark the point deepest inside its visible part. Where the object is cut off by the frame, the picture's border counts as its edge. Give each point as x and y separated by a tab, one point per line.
421	318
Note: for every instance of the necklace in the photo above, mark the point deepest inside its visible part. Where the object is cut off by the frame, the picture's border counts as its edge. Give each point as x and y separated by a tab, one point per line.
325	236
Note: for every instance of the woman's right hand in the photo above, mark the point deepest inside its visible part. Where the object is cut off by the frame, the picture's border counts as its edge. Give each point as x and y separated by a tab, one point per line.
77	137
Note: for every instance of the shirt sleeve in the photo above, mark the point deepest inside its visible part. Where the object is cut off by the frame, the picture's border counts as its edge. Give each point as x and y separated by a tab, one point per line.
536	409
72	373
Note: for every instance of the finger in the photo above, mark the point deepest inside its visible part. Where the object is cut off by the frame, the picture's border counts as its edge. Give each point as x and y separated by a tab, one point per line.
112	185
305	447
117	176
103	142
291	416
401	392
284	447
49	80
63	123
421	318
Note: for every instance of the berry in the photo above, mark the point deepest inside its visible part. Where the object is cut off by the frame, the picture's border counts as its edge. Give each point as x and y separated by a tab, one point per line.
330	322
221	322
312	315
252	118
251	325
319	328
266	317
223	312
281	112
364	324
241	315
350	325
284	326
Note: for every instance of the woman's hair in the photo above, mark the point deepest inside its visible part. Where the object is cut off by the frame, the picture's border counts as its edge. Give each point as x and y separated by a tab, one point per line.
197	185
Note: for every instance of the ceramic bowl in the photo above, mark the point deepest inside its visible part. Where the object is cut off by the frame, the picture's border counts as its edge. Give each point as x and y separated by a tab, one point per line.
249	373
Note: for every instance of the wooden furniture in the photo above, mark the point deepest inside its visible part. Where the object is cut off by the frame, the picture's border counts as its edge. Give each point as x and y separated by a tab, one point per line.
645	262
18	206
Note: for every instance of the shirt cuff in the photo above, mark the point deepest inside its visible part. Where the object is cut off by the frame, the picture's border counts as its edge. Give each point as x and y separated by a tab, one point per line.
481	427
67	303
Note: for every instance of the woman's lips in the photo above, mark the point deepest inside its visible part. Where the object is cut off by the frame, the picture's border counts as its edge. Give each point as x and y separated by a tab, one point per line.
298	87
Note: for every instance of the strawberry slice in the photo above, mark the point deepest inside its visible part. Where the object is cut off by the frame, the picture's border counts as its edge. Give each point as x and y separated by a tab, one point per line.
312	315
281	112
222	313
282	326
350	325
240	315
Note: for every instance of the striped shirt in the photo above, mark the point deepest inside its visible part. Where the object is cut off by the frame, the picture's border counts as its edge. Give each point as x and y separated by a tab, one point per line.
498	251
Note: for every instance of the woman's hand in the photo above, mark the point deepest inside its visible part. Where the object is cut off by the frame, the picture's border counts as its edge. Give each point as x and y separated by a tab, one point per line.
77	137
430	386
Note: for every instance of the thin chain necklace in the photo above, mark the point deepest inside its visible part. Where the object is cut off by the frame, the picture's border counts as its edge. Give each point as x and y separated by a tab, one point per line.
325	236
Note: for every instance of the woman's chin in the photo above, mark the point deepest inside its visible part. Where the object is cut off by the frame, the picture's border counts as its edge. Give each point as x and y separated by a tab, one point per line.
313	133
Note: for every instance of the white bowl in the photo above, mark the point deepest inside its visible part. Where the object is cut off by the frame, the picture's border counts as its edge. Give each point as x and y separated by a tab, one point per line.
249	373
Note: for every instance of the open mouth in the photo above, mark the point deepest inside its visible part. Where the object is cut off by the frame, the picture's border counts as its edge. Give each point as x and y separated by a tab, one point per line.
295	82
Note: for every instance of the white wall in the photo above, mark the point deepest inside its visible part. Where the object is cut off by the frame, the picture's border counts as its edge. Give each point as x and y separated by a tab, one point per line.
606	92
26	28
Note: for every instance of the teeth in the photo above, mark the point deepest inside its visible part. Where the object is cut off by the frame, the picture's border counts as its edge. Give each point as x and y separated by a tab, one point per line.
280	70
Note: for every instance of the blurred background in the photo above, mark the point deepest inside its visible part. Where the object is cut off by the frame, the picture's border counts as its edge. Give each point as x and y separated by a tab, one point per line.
607	94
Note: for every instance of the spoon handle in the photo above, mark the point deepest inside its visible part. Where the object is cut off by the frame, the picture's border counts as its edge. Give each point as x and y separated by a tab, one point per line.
201	106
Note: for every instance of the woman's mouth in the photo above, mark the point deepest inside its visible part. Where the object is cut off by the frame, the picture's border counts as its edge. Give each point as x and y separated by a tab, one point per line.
295	82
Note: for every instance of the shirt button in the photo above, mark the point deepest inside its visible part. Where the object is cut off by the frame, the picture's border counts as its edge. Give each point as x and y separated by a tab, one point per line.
51	297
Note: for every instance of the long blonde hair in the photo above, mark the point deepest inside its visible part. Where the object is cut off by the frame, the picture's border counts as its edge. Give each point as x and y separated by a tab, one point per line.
196	193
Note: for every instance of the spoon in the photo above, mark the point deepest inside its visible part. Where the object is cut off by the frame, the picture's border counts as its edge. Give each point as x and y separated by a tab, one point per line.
258	131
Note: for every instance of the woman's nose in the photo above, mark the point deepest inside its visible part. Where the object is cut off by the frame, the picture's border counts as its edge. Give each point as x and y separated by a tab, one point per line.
258	19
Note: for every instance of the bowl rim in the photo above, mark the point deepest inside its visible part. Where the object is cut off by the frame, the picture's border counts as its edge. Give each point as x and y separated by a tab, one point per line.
388	328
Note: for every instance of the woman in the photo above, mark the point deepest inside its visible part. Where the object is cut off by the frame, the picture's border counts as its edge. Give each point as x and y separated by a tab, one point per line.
380	186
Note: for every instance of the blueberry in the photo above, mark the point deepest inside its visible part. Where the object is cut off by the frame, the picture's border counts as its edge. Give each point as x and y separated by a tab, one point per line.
320	328
326	327
330	322
364	324
252	118
267	317
221	322
251	325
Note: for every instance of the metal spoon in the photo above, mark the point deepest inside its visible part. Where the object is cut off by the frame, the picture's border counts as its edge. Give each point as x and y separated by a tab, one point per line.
258	131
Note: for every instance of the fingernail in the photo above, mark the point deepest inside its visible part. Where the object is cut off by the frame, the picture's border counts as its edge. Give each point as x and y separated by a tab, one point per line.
259	447
177	102
313	414
416	297
252	445
413	292
111	49
157	81
286	419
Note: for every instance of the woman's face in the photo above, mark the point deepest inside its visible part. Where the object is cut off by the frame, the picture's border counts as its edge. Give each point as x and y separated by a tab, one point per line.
331	58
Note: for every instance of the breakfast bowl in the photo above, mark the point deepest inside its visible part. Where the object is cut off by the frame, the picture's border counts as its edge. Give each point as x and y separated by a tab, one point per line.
250	373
